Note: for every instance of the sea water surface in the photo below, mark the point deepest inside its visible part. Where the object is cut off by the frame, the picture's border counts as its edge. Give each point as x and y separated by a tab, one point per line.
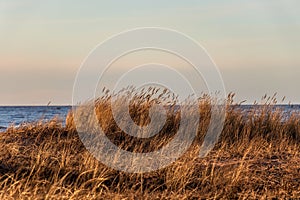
16	115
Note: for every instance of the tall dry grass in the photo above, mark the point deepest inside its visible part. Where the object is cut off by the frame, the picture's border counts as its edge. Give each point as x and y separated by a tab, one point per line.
256	157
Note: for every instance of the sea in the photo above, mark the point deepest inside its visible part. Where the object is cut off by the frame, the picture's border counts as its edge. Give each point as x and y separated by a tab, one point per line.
16	115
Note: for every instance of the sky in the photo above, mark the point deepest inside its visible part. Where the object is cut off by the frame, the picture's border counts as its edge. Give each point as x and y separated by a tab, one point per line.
255	44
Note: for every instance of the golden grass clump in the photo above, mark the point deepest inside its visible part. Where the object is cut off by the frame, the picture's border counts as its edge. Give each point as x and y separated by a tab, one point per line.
257	156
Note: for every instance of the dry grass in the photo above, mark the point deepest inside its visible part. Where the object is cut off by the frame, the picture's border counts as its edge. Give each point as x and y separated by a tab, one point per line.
257	157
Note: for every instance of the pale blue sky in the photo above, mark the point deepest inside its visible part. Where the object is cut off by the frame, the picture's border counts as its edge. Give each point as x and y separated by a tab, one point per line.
256	43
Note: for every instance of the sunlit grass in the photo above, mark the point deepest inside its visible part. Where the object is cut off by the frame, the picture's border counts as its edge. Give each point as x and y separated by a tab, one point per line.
257	156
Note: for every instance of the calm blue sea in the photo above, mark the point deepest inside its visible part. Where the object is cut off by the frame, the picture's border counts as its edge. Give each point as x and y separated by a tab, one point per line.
19	114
